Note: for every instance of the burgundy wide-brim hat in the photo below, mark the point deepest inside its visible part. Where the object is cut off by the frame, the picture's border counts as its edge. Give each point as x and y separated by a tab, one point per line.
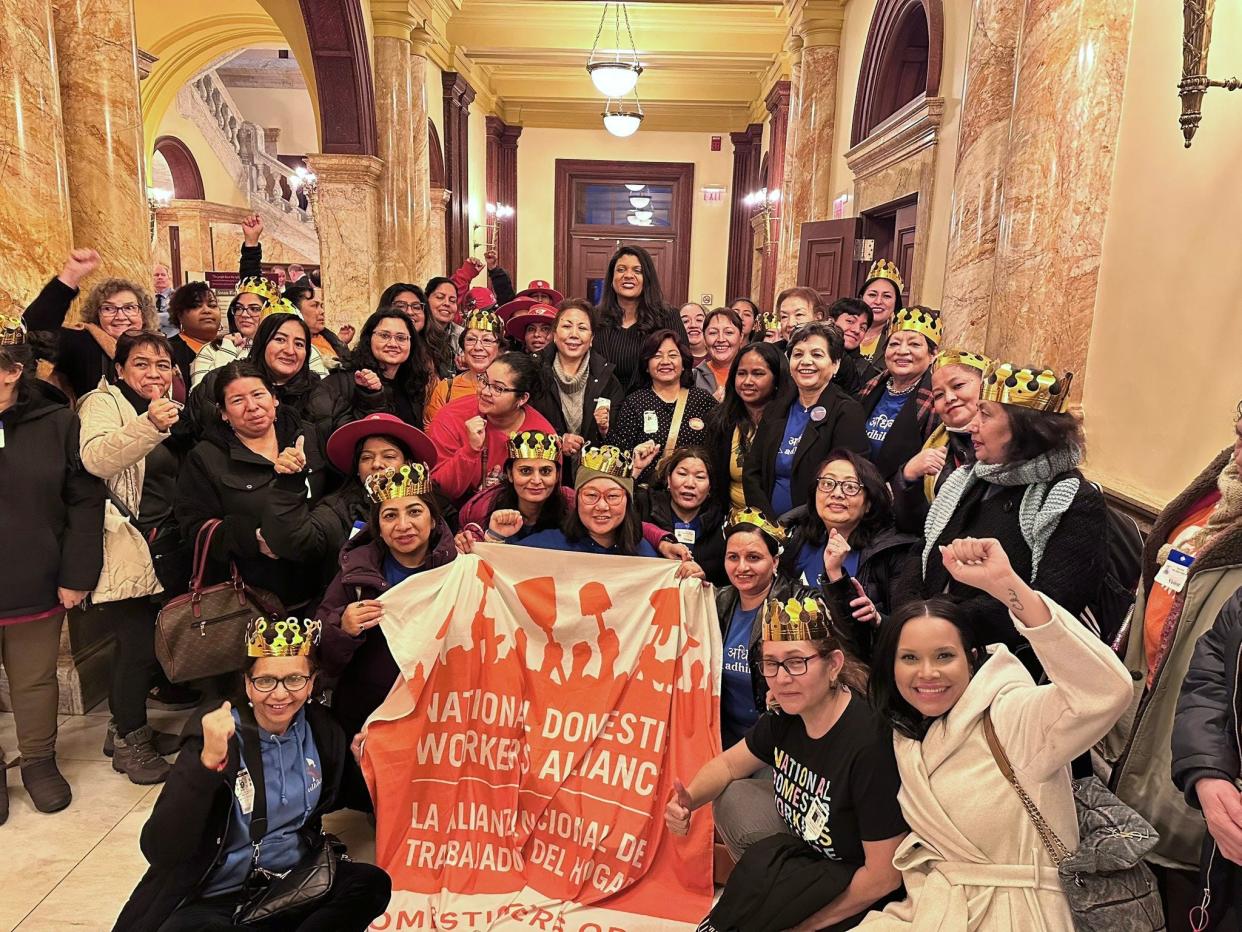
537	313
479	299
540	287
515	306
343	444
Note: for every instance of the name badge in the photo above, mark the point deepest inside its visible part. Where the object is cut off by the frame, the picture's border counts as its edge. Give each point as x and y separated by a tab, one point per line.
651	423
1175	571
814	823
685	535
243	789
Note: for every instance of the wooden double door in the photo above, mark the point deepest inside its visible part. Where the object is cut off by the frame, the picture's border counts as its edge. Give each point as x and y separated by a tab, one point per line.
828	249
588	264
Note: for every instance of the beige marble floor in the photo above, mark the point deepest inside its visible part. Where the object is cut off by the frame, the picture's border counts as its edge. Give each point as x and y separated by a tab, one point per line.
75	869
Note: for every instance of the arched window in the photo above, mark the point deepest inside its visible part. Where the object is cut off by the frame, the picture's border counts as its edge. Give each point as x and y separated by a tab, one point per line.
187	181
901	61
435	155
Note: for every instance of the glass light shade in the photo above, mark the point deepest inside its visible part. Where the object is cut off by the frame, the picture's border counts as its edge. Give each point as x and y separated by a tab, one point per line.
640	201
614	78
635	220
622	124
635	187
644	216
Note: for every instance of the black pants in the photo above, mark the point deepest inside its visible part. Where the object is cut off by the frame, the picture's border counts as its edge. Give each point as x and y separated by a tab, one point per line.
134	665
359	894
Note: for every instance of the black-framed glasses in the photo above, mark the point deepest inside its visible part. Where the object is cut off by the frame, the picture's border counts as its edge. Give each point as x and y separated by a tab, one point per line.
118	310
849	487
485	382
407	306
794	666
292	683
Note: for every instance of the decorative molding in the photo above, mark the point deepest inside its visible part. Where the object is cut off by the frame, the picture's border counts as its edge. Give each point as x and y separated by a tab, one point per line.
458	95
502	185
747	146
186	178
914	127
880	50
339	54
146	61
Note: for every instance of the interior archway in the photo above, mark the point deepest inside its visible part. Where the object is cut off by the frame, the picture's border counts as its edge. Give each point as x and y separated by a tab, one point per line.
187	180
901	61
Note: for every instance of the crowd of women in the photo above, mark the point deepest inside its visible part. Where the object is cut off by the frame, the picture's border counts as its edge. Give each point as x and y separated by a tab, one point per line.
919	647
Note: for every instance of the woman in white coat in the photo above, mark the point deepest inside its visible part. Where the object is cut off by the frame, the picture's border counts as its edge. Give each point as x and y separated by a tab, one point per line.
973	861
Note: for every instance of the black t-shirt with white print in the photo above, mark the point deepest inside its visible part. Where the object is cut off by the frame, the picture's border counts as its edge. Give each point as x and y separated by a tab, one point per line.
837	791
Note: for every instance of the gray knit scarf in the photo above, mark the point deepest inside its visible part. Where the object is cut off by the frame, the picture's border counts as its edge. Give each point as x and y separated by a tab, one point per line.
1042	504
572	391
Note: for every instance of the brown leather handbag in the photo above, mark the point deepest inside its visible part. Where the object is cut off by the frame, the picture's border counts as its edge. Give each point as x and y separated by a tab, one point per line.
203	632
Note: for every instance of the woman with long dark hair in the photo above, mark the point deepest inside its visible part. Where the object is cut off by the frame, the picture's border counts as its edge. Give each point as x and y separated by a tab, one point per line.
631	309
758	377
529	485
880	291
942	687
749	312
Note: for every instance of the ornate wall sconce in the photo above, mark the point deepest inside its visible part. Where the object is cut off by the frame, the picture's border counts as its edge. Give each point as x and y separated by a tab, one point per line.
157	199
496	215
1196	38
765	209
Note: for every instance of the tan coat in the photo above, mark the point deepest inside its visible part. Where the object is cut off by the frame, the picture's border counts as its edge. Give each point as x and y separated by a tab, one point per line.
115	441
973	861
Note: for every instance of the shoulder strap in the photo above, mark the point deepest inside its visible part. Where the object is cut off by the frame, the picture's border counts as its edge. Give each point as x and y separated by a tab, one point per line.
1055	847
252	756
679	412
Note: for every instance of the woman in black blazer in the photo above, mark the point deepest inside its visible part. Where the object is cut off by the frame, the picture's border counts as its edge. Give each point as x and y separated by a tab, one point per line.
796	435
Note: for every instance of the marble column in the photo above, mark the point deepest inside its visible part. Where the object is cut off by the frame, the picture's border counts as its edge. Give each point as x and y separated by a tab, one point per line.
812	120
98	59
421	262
347	216
436	245
396	126
978	183
1071	73
35	228
777	102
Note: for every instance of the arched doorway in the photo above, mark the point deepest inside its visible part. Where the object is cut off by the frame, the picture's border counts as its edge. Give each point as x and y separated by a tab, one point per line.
901	61
187	181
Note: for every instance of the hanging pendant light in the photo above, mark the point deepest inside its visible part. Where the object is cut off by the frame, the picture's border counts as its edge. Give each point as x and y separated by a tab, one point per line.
615	76
636	187
620	121
640	201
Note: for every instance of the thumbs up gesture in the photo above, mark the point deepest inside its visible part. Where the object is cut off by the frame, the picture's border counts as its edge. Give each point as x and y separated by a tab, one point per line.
292	460
677	812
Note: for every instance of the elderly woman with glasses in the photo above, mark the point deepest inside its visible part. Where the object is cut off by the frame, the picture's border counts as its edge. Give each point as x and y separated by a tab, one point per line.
480	345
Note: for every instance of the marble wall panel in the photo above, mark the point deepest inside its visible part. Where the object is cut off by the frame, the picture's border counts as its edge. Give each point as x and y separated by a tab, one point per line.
347	214
394	120
35	227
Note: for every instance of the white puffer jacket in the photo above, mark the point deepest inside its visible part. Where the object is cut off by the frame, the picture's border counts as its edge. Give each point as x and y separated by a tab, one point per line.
115	443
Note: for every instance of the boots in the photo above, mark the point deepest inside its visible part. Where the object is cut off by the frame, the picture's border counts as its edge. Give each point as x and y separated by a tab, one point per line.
165	743
48	790
136	757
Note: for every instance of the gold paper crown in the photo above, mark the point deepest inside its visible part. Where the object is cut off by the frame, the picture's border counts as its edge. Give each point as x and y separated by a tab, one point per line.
12	330
484	320
280	306
960	357
882	268
769	321
1037	389
608	460
288	638
534	445
919	320
756	518
402	482
257	285
795	620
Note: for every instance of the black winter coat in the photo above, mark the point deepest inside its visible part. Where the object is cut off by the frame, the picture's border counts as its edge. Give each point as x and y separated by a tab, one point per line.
364	666
224	479
52	518
80	361
184	837
913	425
336	400
1207	740
313	533
601	382
841	426
201	415
1073	564
655	506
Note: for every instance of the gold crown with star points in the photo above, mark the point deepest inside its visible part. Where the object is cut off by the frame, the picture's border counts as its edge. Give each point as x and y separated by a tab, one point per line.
289	638
609	460
280	306
12	330
534	445
755	518
769	322
920	319
1026	387
401	482
795	620
484	320
960	357
882	268
259	286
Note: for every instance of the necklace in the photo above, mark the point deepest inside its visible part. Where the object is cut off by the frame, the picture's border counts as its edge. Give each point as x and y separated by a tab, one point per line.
904	391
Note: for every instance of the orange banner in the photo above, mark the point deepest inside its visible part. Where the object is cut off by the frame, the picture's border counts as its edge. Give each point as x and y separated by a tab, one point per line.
521	767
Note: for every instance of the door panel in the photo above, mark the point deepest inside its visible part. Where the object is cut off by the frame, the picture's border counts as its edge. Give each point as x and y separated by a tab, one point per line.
826	257
589	256
904	230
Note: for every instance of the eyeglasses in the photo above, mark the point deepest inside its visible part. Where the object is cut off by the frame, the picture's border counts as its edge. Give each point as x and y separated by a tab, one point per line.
292	683
248	310
118	310
480	341
398	338
849	487
407	306
794	666
591	497
488	385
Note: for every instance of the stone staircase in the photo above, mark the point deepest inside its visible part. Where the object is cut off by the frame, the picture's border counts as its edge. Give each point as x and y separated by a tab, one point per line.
248	154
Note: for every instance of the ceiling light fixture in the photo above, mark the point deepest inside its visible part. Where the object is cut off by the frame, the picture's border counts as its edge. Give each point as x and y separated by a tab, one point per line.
635	187
640	201
621	122
615	77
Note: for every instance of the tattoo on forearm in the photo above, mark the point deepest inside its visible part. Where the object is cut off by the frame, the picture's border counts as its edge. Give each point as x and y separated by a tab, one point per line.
1014	602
